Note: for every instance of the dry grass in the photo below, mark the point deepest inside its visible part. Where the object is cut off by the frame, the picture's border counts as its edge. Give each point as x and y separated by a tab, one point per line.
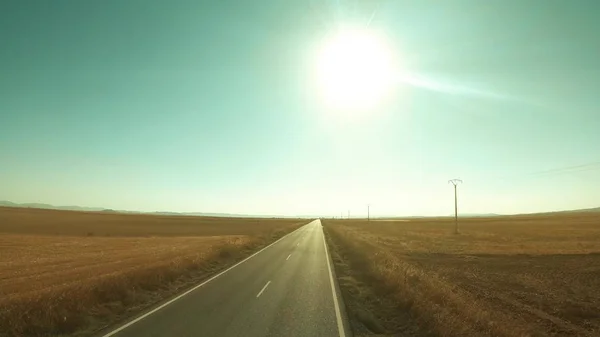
503	276
73	281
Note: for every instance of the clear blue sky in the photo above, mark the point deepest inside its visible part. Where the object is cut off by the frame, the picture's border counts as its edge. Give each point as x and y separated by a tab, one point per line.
210	106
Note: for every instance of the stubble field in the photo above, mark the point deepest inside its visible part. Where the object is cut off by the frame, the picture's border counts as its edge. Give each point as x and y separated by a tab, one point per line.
532	275
64	272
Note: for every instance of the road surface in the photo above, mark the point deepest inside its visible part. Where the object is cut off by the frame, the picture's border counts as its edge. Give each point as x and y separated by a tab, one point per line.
286	289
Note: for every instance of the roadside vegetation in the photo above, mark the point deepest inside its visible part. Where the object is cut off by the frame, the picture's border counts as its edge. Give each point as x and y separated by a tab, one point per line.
72	273
533	275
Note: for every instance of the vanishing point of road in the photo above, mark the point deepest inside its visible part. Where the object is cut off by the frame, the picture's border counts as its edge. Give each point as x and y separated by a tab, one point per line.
286	289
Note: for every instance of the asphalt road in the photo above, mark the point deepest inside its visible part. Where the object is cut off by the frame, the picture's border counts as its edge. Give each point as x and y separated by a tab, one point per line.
286	289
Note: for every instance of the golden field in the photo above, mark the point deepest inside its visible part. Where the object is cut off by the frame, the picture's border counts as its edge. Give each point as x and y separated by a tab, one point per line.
528	275
64	272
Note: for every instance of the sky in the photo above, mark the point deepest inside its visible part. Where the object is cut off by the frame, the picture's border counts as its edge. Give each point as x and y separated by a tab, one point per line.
212	106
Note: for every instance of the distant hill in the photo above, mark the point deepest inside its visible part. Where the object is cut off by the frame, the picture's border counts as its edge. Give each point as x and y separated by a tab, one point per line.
226	215
477	215
4	203
230	215
585	210
48	206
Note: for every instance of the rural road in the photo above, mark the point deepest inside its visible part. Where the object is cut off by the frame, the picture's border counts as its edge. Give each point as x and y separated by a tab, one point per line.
286	289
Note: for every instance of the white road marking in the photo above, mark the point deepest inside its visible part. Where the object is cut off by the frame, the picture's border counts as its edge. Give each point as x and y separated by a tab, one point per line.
124	326
263	289
338	314
288	257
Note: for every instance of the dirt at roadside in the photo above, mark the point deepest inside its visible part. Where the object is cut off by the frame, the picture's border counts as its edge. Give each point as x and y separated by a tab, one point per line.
370	314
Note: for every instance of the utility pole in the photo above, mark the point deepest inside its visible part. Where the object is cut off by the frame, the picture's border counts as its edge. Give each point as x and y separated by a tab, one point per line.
369	212
348	214
455	182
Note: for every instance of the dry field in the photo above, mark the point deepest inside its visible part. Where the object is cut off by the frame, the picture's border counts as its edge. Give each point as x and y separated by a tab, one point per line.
534	275
65	273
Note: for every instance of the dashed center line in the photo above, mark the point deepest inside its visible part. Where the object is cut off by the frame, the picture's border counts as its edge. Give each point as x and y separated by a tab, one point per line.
288	257
263	289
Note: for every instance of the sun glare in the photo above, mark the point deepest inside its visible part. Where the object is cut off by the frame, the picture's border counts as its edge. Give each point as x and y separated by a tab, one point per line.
354	70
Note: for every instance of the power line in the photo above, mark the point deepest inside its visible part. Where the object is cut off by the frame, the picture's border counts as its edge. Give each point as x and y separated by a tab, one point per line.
569	169
591	166
455	182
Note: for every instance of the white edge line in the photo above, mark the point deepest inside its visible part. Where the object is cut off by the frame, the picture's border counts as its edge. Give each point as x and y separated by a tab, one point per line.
288	257
194	288
263	289
338	314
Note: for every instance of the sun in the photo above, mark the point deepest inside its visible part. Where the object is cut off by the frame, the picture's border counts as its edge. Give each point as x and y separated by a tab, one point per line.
354	71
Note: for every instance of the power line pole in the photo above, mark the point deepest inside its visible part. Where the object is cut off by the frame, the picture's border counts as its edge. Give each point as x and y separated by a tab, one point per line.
348	214
369	212
455	182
